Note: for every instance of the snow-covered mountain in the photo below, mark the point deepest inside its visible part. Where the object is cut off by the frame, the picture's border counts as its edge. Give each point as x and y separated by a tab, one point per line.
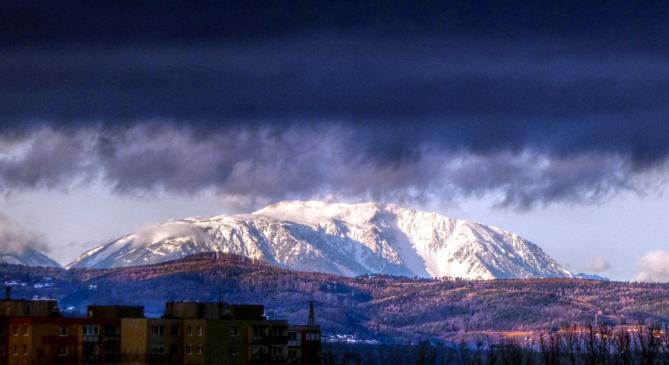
347	239
586	276
27	256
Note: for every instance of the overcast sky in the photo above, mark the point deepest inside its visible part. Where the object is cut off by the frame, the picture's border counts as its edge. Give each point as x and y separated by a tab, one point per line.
549	120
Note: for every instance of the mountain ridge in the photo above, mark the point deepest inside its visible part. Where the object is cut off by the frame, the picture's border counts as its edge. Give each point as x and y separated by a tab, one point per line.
346	239
28	257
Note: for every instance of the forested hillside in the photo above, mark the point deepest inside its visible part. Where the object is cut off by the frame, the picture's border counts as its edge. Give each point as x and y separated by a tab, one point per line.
367	307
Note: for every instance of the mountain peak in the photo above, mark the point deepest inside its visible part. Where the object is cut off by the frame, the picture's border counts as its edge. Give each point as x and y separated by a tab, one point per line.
316	212
347	239
27	256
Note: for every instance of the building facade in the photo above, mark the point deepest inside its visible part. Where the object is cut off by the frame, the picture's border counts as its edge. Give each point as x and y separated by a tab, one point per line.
33	332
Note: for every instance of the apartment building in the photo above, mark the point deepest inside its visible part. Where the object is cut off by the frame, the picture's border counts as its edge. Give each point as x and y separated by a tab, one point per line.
304	344
60	340
34	332
220	333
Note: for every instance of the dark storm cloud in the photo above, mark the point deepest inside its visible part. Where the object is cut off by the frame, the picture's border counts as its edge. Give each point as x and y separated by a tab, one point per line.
396	96
252	166
391	100
78	21
46	160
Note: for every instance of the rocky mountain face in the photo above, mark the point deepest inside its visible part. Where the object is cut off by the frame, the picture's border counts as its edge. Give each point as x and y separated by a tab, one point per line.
345	239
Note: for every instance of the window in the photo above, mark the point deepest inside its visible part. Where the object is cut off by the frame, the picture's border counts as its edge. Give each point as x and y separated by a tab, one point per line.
62	350
29	309
292	336
112	331
200	349
158	349
26	331
16	330
259	350
25	350
189	349
199	331
111	346
15	350
292	354
62	331
88	349
234	331
157	330
189	331
91	330
234	350
257	331
175	330
277	350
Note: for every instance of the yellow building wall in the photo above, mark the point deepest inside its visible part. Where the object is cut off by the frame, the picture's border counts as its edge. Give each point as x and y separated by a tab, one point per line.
134	341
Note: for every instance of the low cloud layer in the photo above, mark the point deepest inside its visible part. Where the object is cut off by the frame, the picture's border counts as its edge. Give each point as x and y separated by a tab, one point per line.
14	239
249	167
597	265
654	266
158	232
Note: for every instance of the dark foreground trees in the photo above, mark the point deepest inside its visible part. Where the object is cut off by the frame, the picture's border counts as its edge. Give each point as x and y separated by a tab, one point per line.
571	345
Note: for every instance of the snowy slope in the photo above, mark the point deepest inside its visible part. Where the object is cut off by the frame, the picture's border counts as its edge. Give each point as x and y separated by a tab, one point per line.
347	239
28	257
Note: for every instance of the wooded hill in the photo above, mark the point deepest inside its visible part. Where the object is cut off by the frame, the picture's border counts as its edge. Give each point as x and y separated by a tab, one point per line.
368	307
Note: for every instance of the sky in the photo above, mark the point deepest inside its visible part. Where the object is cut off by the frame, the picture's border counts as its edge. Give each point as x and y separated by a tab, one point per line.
549	120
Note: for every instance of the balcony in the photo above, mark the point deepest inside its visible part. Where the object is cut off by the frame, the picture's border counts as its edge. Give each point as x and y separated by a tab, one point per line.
91	338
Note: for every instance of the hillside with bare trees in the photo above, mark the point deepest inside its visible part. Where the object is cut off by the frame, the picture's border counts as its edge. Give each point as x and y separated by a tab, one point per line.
377	307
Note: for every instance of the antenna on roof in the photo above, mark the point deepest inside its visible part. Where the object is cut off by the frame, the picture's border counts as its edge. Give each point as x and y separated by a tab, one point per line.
312	314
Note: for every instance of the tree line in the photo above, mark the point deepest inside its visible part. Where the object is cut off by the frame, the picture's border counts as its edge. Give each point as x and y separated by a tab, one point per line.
587	344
